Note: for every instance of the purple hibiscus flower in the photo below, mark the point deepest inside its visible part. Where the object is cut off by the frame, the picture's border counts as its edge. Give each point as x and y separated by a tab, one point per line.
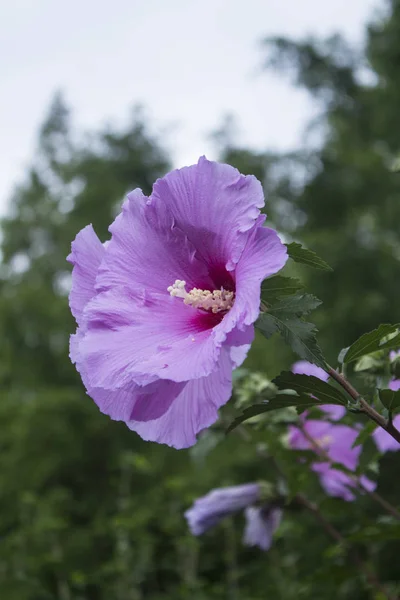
261	521
333	444
165	310
303	367
382	439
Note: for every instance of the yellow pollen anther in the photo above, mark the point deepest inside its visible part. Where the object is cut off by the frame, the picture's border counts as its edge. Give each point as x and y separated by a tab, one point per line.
216	301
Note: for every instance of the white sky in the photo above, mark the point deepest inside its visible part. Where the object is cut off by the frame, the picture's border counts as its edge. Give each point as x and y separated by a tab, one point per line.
189	62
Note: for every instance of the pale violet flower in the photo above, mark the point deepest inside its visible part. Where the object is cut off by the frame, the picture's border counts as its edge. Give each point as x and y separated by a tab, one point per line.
332	443
210	509
261	520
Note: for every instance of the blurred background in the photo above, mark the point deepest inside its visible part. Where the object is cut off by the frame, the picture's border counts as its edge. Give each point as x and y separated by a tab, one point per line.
98	98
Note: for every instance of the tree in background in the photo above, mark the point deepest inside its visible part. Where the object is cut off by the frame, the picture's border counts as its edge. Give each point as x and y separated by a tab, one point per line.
343	198
88	510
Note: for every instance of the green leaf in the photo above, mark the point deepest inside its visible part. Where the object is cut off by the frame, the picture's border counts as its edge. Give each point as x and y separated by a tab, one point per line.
393	342
365	433
306	257
298	334
378	532
370	362
308	384
390	399
342	354
395	165
372	341
279	401
278	286
292	306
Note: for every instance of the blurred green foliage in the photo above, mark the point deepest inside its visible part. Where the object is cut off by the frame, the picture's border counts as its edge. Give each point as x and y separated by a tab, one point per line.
90	512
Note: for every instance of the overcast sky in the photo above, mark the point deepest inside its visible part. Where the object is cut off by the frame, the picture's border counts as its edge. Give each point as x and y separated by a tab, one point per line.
188	62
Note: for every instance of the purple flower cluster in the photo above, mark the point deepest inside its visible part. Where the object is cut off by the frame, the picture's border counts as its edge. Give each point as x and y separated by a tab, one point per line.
165	309
383	440
332	443
261	521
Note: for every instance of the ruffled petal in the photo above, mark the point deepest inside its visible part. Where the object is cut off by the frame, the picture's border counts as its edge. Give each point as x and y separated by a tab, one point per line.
264	255
128	337
216	206
86	255
194	409
148	251
140	402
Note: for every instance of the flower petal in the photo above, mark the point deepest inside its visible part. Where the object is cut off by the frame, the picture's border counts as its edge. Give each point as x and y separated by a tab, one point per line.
128	336
142	403
86	255
339	484
261	523
194	409
384	441
215	205
263	256
334	412
335	440
133	401
394	385
317	430
367	484
335	482
239	342
303	367
147	250
340	449
208	510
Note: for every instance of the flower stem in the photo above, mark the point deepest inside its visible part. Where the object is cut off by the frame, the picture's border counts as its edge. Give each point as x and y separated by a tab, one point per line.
384	503
301	500
386	424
